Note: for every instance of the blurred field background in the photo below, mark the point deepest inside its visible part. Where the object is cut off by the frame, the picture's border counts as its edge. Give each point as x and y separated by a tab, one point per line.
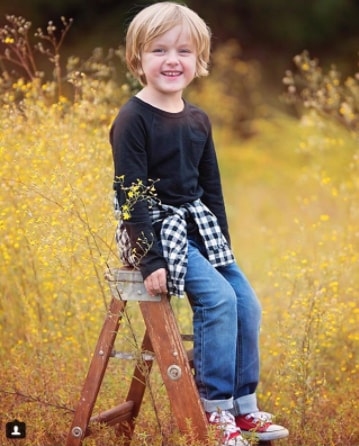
286	128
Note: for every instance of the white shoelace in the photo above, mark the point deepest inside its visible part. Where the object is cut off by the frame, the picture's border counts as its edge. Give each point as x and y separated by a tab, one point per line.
260	416
226	421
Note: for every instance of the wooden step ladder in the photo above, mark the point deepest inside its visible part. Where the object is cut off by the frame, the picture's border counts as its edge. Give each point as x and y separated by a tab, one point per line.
161	337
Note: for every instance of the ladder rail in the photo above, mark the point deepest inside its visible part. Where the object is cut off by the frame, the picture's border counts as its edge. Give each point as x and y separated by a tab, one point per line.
175	369
95	373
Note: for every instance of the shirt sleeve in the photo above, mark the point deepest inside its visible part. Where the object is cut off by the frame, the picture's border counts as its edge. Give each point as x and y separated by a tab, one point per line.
128	141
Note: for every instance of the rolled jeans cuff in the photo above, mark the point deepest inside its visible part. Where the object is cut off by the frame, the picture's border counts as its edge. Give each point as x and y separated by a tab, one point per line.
245	404
214	405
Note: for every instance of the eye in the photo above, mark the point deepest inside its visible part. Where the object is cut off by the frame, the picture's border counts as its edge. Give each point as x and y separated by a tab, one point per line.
158	50
185	51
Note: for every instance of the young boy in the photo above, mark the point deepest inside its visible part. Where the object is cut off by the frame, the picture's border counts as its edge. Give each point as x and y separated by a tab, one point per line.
181	239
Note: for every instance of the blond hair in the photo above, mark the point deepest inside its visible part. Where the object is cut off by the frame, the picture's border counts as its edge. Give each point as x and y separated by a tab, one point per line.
157	19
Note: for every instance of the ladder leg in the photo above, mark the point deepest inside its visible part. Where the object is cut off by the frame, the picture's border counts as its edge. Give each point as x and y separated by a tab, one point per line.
96	373
175	370
137	388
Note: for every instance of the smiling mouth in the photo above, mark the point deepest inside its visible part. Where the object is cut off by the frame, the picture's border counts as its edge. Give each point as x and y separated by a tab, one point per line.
171	73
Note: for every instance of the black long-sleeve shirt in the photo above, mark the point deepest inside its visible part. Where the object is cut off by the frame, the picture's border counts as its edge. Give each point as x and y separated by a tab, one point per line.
175	148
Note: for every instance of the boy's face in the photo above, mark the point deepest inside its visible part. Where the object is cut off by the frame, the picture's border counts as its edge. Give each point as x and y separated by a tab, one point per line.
169	62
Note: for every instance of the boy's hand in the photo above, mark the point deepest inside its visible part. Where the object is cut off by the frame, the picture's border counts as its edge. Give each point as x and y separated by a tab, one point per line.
156	283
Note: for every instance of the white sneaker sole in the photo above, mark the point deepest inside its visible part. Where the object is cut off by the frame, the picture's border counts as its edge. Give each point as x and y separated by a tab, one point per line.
267	436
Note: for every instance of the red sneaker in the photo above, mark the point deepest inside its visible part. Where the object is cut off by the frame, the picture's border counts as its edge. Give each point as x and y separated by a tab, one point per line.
228	432
259	424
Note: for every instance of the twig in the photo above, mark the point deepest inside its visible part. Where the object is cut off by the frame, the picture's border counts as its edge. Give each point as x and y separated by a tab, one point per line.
33	399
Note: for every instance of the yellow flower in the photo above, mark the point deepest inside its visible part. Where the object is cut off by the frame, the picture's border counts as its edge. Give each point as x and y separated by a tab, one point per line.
324	217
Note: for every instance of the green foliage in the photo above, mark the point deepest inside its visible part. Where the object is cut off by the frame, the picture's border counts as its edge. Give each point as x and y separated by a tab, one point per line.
298	23
312	88
255	23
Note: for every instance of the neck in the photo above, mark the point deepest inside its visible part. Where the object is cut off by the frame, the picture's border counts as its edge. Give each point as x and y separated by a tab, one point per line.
165	102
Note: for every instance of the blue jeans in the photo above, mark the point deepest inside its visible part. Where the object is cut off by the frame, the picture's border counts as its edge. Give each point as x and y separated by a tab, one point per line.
226	321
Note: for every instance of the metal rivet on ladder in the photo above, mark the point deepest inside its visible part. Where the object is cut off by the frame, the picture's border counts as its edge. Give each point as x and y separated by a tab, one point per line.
76	432
174	372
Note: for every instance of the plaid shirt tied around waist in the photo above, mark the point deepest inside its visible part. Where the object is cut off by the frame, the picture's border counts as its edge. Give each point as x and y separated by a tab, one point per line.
174	240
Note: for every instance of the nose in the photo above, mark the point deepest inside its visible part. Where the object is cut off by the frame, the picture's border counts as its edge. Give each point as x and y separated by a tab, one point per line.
172	57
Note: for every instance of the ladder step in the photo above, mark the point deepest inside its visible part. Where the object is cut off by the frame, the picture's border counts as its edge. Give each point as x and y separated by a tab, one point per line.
120	413
146	356
127	284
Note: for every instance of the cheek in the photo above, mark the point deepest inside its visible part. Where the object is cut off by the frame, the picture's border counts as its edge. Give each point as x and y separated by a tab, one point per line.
192	67
150	65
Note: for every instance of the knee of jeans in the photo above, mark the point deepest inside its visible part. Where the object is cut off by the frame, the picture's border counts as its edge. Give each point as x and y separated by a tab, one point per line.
221	299
227	299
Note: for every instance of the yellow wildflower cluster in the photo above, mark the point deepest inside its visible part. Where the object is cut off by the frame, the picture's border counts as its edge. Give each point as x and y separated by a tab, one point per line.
55	232
56	240
310	86
308	244
136	193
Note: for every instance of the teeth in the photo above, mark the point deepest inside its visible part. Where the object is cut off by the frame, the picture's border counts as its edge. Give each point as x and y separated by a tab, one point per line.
172	73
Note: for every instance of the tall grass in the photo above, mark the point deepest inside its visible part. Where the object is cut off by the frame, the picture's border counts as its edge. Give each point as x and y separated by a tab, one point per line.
294	212
292	200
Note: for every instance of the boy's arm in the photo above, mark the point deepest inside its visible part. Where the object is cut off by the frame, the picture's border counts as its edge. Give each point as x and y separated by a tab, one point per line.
128	141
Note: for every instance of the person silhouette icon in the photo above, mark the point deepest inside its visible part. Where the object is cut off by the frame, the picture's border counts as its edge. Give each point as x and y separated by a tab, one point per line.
15	431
